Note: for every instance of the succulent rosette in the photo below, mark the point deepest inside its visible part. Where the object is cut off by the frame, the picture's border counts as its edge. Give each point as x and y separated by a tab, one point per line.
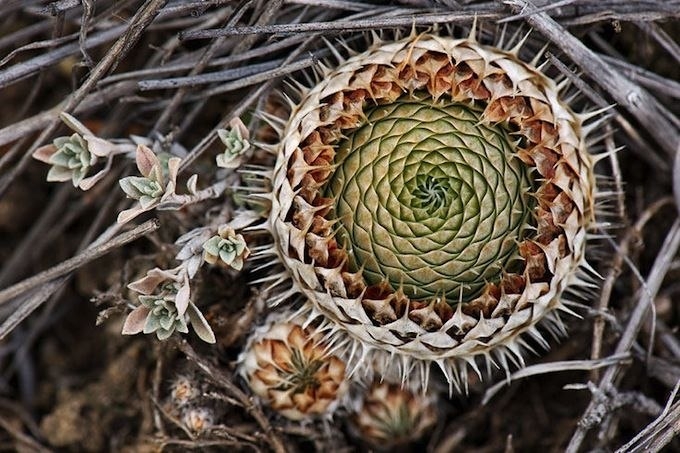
430	201
292	370
389	415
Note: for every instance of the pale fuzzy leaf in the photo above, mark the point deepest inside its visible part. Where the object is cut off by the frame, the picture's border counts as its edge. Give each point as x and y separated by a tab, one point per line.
209	258
171	202
181	326
237	263
224	161
191	184
129	214
88	183
223	135
154	277
200	325
167	274
74	124
98	146
128	187
152	324
134	323
191	243
44	153
139	140
193	265
163	334
157	174
147	285
146	160
60	174
148	203
186	252
182	298
192	235
173	168
238	125
244	219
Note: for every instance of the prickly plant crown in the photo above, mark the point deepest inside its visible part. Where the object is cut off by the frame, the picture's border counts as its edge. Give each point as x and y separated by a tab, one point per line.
430	200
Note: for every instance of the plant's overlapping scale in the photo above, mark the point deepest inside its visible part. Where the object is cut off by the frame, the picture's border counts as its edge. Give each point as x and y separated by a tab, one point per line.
431	198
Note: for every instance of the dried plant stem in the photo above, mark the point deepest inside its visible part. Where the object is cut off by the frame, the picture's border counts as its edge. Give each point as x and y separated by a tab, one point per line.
649	291
16	263
19	72
660	432
41	120
22	439
615	269
225	381
200	65
77	261
238	110
553	367
367	24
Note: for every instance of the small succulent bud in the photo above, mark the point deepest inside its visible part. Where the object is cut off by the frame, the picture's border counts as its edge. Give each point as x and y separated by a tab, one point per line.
146	190
72	157
235	140
158	181
162	316
391	415
165	306
291	370
226	246
198	419
182	391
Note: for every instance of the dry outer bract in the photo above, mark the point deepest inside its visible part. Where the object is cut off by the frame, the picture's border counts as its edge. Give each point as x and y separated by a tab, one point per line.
430	200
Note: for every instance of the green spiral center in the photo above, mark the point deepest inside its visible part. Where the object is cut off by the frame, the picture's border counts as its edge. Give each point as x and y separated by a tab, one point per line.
430	199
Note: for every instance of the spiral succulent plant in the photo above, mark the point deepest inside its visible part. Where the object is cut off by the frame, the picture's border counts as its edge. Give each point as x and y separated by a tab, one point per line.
430	203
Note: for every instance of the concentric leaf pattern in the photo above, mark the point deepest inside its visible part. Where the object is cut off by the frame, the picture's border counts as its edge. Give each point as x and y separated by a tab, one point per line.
430	199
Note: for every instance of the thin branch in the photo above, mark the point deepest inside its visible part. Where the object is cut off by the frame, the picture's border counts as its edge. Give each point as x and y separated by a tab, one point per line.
77	261
650	289
133	32
226	381
556	367
357	25
660	432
